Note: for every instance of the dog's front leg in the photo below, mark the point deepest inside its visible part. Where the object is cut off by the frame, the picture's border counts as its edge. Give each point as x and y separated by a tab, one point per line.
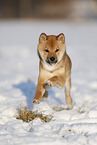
54	81
39	94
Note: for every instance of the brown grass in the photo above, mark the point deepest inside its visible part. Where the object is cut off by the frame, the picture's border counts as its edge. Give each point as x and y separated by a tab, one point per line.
80	110
26	115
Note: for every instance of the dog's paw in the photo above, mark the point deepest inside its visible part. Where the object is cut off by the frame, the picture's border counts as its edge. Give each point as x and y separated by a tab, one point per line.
47	85
69	106
34	101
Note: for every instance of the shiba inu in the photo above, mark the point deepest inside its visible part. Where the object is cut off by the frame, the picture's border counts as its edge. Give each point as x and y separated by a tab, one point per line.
55	66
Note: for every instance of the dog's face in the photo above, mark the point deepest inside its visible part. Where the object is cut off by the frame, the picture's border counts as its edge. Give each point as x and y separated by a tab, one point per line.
51	48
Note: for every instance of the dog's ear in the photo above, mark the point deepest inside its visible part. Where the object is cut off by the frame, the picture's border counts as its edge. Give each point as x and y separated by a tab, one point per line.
43	37
61	38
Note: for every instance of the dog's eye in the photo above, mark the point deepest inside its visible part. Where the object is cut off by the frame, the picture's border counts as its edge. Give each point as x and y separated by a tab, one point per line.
46	50
56	50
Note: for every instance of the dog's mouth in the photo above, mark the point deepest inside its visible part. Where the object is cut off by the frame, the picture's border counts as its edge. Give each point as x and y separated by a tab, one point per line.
51	60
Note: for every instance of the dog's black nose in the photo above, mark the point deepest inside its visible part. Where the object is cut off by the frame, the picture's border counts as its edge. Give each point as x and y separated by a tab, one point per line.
52	58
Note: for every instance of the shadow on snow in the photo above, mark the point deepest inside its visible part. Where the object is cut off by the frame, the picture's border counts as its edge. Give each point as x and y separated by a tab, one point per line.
28	89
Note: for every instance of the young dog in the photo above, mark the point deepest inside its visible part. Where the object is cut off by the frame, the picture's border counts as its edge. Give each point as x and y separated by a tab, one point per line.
55	66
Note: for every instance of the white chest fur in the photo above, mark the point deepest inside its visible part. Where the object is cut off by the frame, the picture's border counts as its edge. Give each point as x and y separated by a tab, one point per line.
53	70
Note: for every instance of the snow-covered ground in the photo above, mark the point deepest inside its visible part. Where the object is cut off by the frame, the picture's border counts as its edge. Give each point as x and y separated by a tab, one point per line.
18	79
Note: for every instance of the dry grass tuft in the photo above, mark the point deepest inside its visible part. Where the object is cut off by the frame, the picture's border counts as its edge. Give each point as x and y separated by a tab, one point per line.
26	115
80	110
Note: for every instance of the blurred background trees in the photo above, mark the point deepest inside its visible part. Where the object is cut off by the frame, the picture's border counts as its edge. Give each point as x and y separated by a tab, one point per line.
48	9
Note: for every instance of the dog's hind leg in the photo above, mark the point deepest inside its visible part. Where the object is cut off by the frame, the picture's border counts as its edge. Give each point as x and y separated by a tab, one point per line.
67	90
45	95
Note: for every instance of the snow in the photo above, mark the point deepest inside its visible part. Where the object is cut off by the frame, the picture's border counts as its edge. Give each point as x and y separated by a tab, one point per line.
18	79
